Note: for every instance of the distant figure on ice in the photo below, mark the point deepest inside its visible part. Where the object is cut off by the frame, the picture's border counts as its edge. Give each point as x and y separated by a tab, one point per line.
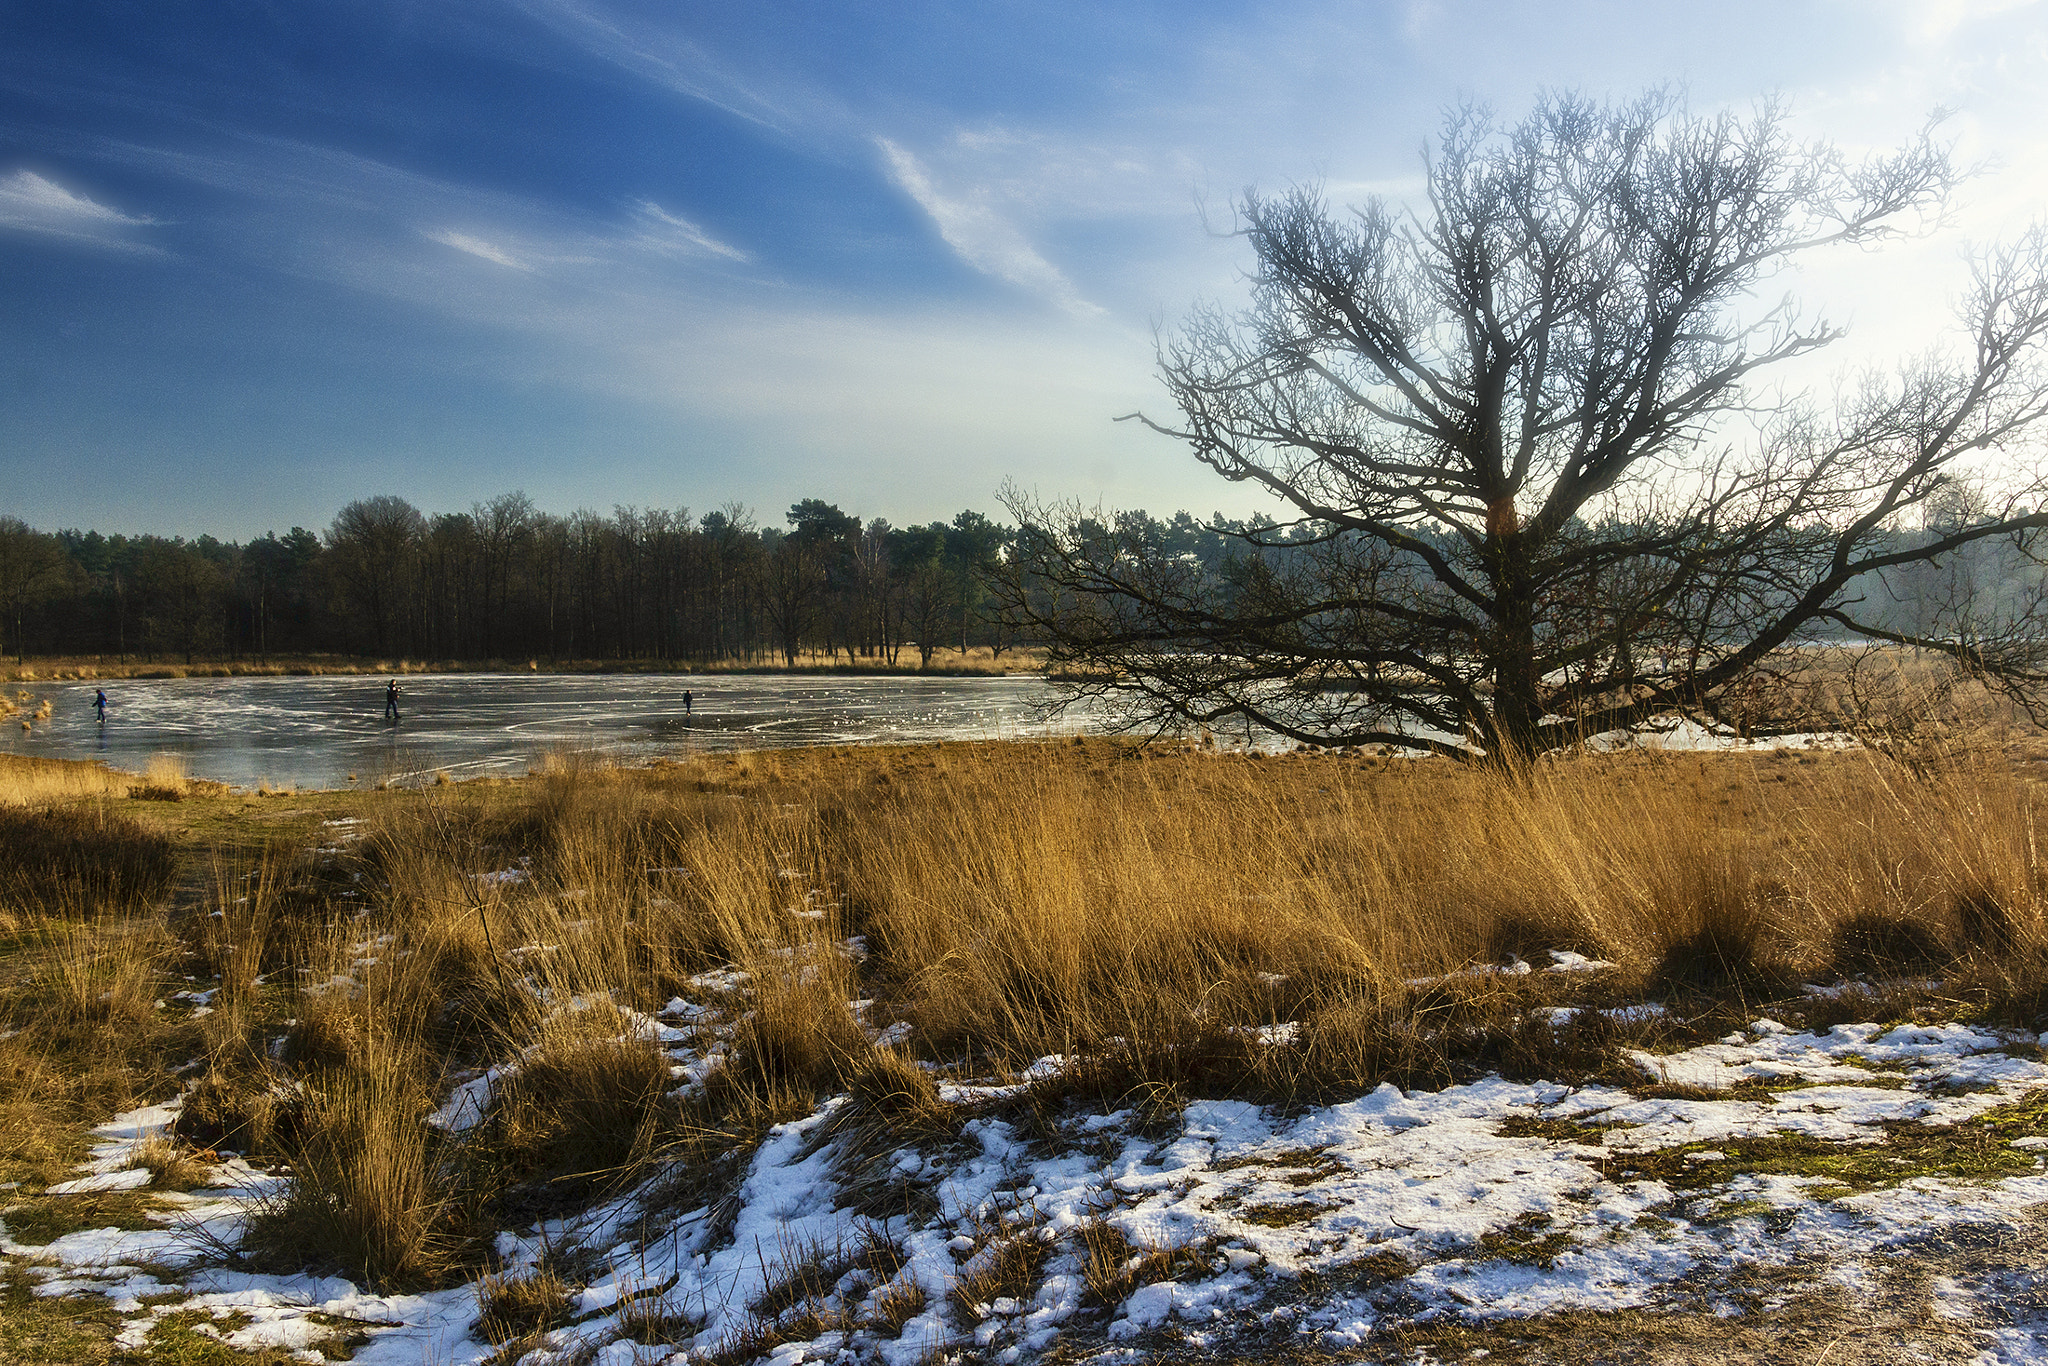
686	701
99	704
391	701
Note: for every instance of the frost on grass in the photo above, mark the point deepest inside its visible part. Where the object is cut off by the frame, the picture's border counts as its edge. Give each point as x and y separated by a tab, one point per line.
1772	1153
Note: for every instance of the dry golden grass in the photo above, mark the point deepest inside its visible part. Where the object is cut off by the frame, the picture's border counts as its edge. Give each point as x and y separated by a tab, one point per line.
170	1165
1183	923
369	1192
522	1306
33	782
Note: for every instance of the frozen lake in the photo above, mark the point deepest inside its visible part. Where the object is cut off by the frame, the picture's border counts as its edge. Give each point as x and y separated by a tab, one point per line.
330	731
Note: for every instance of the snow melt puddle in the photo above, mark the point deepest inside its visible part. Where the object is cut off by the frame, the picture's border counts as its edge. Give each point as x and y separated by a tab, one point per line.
1486	1199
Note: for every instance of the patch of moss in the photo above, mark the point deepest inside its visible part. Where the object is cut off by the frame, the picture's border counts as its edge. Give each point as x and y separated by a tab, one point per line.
1978	1150
1285	1214
1728	1211
1374	1268
1525	1242
1560	1130
45	1218
1675	1090
1767	1089
192	1339
1313	1165
2026	1117
72	1330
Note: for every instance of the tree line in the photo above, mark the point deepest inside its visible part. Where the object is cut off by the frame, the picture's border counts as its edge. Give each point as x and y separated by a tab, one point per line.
505	580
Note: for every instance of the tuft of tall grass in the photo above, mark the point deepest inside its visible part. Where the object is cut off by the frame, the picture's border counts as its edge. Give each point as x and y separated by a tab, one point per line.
369	1193
37	782
522	1306
585	1108
95	989
80	860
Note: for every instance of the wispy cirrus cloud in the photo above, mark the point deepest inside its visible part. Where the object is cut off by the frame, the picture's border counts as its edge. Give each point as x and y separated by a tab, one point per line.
665	231
649	230
365	219
479	248
980	236
663	55
31	203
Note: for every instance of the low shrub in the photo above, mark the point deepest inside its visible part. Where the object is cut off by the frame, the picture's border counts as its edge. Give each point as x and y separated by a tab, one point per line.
522	1306
1885	941
252	1113
582	1113
369	1194
1723	945
81	860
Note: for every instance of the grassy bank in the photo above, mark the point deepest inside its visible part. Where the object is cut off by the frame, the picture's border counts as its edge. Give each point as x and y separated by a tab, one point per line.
946	663
324	969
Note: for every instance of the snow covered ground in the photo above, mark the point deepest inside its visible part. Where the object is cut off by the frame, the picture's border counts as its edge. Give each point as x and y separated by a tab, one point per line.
1118	1232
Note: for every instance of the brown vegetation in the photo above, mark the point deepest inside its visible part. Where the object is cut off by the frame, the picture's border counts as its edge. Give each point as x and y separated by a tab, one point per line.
1183	923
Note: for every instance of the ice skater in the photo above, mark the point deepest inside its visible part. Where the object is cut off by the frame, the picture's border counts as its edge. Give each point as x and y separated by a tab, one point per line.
99	705
686	701
391	701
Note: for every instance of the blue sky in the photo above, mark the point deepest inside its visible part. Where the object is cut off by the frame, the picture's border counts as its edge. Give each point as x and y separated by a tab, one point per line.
261	257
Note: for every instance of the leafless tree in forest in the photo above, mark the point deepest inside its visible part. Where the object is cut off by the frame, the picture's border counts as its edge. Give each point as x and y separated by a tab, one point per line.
30	562
375	543
1533	488
793	595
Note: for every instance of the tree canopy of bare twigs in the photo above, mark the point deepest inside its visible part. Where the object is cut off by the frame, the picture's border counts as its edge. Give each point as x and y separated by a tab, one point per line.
1533	486
29	561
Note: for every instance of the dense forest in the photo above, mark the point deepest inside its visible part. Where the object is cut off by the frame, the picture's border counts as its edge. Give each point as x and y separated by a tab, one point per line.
507	581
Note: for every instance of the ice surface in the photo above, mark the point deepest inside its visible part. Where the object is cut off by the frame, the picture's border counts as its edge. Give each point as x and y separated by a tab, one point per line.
316	732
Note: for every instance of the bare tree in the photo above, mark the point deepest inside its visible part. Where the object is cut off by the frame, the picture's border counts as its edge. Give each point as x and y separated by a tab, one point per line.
30	563
374	545
503	527
1532	490
793	595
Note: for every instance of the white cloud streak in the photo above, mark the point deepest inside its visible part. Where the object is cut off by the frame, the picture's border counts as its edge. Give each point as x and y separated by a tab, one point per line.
1939	20
666	58
34	204
670	232
980	236
477	247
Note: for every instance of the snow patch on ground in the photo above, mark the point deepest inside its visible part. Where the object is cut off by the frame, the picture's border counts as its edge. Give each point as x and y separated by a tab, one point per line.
1486	1199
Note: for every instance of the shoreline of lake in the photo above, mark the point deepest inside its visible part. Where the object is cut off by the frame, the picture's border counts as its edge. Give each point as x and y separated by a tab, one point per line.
71	669
330	731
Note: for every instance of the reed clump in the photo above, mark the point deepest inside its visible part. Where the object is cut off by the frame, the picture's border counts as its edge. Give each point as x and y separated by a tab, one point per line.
369	1195
82	859
28	781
